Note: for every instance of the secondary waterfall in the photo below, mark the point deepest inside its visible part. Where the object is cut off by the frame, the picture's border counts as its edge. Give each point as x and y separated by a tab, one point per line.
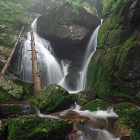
91	48
51	71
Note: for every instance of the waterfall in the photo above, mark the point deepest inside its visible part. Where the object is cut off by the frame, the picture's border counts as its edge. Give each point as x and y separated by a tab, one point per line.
91	48
51	71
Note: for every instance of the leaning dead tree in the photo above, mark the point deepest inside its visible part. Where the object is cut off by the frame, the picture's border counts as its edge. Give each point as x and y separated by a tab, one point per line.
11	54
35	71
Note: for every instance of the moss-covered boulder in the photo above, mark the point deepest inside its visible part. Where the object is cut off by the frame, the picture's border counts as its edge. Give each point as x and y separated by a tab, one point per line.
129	117
95	105
52	98
69	24
14	110
11	88
33	127
85	96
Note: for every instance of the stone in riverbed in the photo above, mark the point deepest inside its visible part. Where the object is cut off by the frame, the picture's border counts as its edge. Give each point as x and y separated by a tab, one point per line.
52	98
85	96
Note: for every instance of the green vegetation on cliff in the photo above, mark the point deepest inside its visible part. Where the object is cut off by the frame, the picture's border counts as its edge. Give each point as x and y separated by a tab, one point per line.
13	15
118	38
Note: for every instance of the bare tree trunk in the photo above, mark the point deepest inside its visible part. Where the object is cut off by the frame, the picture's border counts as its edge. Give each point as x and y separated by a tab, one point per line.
11	54
35	71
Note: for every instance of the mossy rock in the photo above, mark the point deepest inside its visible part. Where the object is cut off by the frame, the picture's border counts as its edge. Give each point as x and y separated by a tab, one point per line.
93	68
14	88
6	97
129	117
131	87
14	110
85	96
129	62
70	27
8	86
95	105
33	127
52	98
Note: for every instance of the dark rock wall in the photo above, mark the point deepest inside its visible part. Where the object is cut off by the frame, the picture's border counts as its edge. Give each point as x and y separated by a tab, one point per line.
117	70
68	28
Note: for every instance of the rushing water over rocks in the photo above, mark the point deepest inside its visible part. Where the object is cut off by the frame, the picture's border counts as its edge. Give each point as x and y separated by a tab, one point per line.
95	126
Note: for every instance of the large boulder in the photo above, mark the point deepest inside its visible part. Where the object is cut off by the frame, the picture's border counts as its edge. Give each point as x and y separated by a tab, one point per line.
11	88
69	24
35	128
85	96
52	98
14	110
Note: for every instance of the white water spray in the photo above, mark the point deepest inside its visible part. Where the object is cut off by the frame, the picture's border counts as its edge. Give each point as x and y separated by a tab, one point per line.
51	72
91	132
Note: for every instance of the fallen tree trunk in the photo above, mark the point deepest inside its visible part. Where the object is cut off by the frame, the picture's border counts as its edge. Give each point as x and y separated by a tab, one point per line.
11	54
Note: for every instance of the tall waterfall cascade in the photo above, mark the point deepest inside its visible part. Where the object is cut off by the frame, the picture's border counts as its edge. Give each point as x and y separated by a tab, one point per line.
51	70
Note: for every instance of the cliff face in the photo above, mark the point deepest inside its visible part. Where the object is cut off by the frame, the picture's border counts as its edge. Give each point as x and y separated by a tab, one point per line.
117	69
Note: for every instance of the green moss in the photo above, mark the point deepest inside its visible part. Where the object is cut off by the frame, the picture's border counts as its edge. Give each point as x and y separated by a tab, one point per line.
95	105
5	96
121	94
36	128
52	98
129	116
85	96
93	69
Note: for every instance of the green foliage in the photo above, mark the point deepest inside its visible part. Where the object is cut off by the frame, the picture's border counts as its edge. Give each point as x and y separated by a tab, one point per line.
13	15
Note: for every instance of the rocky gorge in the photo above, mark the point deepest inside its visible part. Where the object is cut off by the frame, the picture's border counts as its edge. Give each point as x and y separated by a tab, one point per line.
112	78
